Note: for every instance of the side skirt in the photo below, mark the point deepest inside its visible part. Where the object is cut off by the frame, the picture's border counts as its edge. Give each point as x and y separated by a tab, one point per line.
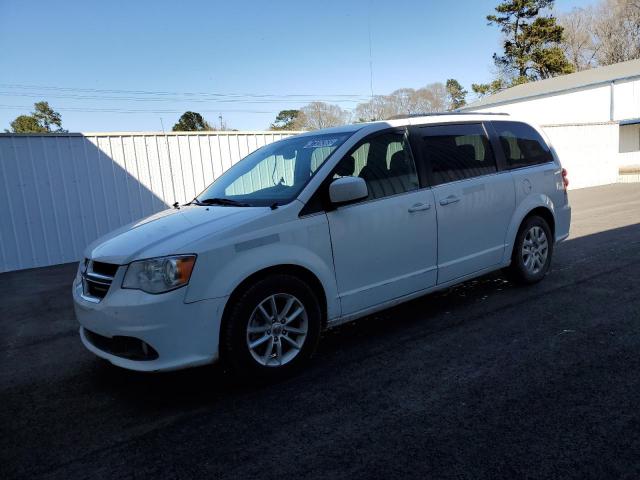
405	298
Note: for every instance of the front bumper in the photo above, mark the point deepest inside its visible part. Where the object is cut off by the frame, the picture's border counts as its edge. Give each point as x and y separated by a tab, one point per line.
182	334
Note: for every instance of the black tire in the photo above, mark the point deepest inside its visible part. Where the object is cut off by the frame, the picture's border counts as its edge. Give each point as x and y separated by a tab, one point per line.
518	271
233	341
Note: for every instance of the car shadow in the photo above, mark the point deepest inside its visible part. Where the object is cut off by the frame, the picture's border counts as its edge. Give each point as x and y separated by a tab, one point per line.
424	317
205	385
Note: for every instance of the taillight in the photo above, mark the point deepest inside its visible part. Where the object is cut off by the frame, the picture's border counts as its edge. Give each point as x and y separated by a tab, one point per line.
565	180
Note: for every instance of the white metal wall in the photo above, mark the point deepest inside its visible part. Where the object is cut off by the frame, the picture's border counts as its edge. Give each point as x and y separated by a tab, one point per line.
629	149
589	152
591	104
58	193
626	99
604	102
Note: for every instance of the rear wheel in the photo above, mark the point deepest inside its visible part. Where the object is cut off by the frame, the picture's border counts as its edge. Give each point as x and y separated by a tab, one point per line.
272	328
532	251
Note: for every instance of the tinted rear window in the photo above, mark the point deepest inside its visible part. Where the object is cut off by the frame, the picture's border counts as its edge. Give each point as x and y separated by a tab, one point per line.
456	152
521	144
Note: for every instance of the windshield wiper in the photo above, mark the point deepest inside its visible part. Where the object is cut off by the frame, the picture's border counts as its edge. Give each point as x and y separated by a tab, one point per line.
220	201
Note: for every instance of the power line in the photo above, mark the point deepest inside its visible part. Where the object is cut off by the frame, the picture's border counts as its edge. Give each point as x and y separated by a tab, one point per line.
118	95
167	99
124	110
194	94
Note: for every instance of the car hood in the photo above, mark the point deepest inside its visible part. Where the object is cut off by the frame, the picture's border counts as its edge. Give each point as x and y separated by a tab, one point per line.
167	232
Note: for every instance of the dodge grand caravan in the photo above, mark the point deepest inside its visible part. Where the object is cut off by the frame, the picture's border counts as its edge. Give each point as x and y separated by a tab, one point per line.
319	229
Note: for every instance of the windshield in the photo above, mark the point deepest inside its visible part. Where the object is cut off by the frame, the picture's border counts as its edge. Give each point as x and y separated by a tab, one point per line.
275	173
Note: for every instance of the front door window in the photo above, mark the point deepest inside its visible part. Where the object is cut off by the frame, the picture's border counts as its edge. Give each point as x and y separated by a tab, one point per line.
384	162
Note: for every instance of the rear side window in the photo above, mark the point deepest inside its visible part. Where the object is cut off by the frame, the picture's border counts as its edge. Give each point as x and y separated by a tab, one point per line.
456	152
521	144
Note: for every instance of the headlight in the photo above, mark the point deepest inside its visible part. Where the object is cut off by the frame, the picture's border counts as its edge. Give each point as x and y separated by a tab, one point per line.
158	275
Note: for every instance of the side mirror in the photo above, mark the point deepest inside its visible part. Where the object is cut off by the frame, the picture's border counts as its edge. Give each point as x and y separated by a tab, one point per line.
347	189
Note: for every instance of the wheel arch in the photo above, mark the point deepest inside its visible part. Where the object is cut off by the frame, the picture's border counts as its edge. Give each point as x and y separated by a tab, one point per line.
539	205
545	214
295	270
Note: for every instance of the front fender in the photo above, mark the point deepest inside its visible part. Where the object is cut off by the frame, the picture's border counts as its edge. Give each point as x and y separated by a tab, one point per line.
530	203
236	271
303	242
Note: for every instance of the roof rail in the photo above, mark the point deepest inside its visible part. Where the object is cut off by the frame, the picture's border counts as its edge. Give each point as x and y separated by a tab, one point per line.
437	114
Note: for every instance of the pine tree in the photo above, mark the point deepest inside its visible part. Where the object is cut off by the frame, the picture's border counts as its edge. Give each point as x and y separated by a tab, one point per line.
531	46
456	94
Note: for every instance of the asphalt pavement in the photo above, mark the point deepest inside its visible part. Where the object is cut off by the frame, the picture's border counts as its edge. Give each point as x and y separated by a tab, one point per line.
484	380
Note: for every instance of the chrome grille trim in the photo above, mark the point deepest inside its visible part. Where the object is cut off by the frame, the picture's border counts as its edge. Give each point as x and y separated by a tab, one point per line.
95	286
98	277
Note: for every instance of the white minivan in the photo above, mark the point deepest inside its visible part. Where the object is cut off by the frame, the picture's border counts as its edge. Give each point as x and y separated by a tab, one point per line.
319	229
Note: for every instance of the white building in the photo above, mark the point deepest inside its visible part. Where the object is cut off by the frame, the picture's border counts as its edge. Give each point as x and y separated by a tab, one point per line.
592	118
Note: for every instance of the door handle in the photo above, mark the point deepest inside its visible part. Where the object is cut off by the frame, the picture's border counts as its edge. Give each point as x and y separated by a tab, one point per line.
450	199
418	207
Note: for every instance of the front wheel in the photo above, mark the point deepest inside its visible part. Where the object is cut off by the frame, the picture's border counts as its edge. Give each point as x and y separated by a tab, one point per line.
272	328
532	251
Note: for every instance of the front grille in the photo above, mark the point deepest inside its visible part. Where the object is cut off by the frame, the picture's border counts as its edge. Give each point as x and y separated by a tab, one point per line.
101	268
97	278
96	288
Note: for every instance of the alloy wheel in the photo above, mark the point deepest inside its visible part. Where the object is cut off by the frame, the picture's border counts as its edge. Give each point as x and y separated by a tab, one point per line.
535	249
277	330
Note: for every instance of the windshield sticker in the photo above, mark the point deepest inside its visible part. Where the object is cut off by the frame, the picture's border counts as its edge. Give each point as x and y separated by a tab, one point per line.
326	142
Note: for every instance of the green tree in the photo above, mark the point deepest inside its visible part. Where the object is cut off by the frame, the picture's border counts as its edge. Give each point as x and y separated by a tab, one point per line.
286	120
482	89
532	47
191	122
27	124
46	116
456	94
40	121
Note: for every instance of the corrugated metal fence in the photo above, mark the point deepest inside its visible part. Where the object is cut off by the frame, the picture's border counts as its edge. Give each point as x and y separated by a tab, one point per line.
60	192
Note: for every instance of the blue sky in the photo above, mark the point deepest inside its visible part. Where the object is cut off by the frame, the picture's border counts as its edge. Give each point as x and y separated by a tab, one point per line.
261	56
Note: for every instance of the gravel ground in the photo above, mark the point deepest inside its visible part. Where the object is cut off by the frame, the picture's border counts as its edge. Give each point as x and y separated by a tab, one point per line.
484	380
